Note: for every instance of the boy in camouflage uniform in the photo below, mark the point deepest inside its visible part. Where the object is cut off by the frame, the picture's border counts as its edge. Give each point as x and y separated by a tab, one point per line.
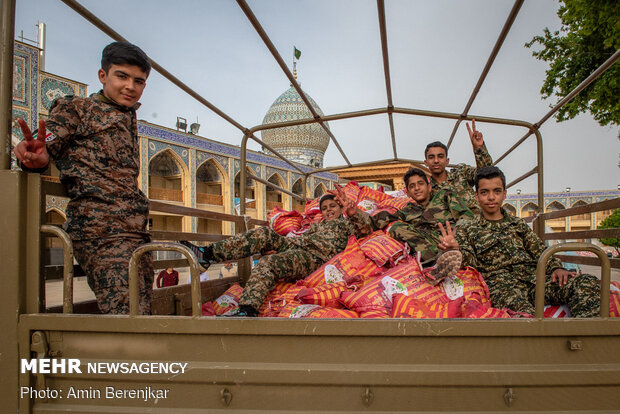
461	179
505	251
94	143
416	223
293	258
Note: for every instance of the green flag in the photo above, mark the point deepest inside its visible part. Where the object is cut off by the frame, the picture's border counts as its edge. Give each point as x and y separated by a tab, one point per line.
296	53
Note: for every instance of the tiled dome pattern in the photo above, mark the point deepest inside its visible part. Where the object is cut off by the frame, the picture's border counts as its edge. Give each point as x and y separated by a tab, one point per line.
299	143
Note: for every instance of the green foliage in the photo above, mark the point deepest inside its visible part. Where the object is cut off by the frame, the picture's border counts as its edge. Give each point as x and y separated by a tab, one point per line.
589	35
611	222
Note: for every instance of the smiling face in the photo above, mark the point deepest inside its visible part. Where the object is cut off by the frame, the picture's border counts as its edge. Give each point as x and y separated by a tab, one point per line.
436	160
419	189
490	194
123	84
330	209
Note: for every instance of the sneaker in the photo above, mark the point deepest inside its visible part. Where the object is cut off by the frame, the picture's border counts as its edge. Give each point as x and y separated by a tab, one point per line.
204	254
447	265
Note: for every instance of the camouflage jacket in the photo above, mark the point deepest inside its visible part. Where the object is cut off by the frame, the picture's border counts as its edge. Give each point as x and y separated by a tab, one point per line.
461	179
96	148
442	207
326	238
504	246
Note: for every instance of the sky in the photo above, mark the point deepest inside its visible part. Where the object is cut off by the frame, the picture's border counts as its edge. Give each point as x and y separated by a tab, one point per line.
437	51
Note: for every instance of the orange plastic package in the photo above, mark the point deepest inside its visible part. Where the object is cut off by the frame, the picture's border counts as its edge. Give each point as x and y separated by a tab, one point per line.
383	249
229	300
314	311
409	307
348	263
405	278
284	222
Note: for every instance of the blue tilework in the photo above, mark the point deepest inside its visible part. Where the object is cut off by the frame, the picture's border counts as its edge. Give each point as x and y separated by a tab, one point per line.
31	79
52	88
155	147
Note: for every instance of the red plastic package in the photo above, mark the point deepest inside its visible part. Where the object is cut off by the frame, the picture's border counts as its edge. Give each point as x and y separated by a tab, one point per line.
229	300
348	263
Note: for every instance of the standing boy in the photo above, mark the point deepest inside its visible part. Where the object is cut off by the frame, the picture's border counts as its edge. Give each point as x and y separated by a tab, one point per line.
461	179
505	251
95	145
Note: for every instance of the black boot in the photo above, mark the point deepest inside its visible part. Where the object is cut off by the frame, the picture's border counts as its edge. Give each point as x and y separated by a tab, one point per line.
204	254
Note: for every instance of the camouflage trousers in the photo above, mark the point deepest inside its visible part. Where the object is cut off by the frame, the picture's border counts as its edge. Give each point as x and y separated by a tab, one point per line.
581	294
288	263
419	239
106	264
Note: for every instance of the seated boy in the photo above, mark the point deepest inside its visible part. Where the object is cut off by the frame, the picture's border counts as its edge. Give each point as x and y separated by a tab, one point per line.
95	145
294	257
416	223
505	251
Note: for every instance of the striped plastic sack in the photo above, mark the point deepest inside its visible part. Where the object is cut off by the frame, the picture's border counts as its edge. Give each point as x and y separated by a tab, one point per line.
229	300
409	307
394	202
312	207
473	309
286	298
314	311
348	263
374	314
207	309
325	295
284	222
556	311
383	249
277	291
468	283
351	191
405	278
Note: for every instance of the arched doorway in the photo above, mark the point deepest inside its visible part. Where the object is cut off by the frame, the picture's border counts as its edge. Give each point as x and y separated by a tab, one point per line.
54	252
556	224
528	210
209	184
319	190
298	189
510	209
166	184
250	194
274	197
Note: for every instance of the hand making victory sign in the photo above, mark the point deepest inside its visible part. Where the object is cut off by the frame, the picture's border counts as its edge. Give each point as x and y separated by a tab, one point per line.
474	135
447	240
348	206
32	152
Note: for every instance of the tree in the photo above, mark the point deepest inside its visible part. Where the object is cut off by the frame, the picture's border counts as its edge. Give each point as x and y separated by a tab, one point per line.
611	222
589	35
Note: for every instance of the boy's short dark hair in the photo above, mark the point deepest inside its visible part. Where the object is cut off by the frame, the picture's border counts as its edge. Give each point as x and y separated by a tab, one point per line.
435	144
326	197
411	173
124	53
489	172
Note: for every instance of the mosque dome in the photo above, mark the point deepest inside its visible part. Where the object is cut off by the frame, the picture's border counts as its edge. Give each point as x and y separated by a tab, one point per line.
305	144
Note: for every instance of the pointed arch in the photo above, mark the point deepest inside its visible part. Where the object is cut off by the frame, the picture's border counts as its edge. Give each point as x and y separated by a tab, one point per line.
581	220
555	206
169	181
528	210
319	190
510	209
250	189
298	188
211	182
274	197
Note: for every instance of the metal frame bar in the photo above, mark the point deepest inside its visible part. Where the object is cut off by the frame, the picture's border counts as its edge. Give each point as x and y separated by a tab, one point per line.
386	70
134	294
564	247
6	81
487	67
67	272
